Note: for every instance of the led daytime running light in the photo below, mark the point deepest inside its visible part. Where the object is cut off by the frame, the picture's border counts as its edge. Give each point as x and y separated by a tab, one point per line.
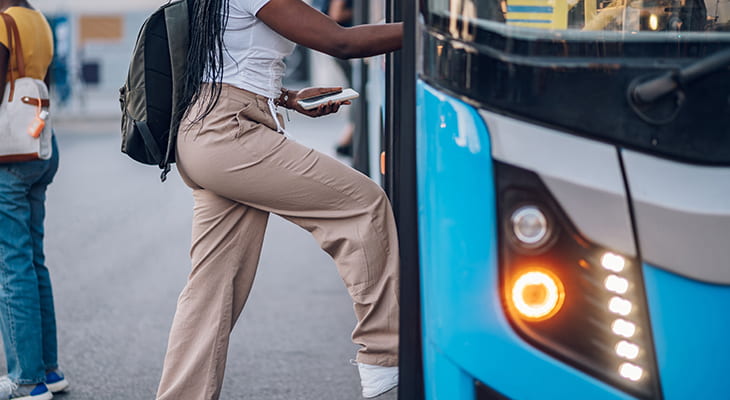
617	284
620	306
631	372
627	350
623	328
613	262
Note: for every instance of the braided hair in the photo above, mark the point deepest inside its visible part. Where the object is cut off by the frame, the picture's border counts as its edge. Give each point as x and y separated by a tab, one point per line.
208	20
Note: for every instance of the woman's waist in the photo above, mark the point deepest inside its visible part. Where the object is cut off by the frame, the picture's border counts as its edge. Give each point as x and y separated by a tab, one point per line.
262	79
233	103
243	93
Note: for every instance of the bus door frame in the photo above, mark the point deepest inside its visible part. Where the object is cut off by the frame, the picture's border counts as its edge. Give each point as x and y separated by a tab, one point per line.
399	144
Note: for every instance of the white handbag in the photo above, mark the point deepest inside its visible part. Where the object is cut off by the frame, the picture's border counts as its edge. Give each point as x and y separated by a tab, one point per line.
25	123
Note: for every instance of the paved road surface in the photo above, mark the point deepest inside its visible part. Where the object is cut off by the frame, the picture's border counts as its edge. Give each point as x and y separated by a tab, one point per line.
117	246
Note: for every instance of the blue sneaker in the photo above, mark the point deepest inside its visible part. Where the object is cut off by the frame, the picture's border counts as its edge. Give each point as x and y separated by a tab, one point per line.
9	390
56	382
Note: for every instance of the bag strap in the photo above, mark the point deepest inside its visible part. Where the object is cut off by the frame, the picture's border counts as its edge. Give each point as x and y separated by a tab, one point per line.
149	140
177	22
17	46
10	37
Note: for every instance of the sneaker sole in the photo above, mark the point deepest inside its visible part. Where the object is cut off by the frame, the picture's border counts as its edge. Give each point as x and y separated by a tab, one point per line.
380	391
45	396
59	386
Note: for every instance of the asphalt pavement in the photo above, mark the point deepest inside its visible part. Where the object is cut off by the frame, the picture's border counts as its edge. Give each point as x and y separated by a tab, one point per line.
117	246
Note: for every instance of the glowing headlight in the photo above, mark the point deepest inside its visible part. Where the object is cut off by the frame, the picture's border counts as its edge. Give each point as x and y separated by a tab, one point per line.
576	300
537	295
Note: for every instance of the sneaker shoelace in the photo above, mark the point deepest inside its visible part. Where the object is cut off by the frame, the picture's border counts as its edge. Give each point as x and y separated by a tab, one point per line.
7	386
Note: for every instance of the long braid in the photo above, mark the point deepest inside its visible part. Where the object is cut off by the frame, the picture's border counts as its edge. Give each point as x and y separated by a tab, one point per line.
205	54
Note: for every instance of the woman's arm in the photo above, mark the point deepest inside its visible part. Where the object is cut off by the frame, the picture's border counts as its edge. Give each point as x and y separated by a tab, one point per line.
308	27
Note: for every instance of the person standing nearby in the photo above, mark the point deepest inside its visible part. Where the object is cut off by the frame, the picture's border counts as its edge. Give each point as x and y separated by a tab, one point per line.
232	153
27	316
342	12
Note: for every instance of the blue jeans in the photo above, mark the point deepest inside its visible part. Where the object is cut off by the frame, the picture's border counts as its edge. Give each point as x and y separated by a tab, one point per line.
27	316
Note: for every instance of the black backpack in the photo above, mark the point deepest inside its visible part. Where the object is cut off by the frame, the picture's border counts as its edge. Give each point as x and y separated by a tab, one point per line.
150	96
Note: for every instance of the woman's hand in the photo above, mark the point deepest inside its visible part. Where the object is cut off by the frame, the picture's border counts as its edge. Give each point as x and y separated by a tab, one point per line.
325	109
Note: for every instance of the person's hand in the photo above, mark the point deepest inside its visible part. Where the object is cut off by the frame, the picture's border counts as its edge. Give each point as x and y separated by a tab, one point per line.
324	109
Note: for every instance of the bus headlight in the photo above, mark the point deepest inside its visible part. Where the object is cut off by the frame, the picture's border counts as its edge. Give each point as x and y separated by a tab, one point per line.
570	298
537	295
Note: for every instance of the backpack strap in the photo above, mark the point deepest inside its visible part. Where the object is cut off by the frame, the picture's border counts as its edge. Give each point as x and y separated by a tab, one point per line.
15	45
149	139
177	18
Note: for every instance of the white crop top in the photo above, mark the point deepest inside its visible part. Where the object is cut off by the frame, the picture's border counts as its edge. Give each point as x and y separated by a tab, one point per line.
254	56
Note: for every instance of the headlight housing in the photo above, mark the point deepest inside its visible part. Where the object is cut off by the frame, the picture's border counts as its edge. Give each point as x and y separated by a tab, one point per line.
581	303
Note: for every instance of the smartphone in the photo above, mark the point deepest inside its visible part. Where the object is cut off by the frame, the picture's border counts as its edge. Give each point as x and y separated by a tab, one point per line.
316	101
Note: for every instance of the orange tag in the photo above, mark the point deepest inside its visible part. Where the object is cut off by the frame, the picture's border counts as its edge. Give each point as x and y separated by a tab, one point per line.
36	127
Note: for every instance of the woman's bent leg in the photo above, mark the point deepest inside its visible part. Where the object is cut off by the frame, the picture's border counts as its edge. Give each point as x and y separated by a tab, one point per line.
227	239
363	241
346	212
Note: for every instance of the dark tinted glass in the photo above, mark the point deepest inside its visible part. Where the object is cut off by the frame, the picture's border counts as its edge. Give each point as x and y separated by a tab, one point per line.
629	16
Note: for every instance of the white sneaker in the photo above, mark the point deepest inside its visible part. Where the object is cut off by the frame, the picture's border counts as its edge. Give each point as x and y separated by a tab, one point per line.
10	390
376	380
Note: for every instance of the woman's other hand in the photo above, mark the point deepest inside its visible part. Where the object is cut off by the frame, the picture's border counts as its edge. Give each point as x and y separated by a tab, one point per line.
324	109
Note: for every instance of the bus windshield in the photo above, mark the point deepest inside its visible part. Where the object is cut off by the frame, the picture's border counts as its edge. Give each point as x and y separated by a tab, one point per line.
650	75
587	16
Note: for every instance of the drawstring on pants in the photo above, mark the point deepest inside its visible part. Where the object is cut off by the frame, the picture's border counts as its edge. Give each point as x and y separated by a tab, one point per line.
272	109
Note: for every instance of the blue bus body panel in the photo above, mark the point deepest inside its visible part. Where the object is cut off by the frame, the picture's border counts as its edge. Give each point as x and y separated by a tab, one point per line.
466	334
691	326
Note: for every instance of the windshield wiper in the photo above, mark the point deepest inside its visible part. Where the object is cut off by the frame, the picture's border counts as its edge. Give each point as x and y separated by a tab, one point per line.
653	89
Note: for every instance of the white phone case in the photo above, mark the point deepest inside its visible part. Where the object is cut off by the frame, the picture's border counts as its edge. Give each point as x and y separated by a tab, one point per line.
314	102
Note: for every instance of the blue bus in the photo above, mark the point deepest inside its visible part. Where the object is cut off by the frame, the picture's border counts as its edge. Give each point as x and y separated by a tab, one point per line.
560	172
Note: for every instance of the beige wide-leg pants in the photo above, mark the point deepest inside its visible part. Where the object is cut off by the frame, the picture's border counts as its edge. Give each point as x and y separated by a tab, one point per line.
240	170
